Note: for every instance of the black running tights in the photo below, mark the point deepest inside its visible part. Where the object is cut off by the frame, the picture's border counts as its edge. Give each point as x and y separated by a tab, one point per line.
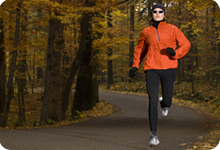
153	78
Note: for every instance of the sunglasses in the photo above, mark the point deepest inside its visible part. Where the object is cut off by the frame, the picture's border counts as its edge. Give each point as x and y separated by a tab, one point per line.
160	12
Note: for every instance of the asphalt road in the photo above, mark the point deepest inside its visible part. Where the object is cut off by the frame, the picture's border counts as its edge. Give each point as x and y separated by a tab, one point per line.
127	129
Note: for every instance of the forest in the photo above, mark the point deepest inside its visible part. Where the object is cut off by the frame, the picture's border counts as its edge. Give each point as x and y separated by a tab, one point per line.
63	47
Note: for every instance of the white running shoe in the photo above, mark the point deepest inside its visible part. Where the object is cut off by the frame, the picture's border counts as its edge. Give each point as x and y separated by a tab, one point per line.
165	111
161	99
154	140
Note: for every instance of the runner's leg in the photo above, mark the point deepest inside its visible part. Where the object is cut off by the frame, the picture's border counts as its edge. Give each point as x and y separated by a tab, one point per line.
167	83
152	82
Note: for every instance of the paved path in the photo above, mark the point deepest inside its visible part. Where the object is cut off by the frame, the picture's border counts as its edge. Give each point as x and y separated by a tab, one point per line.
127	129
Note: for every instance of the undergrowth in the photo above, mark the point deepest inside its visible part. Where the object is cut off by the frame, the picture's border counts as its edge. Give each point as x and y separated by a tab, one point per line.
204	94
33	105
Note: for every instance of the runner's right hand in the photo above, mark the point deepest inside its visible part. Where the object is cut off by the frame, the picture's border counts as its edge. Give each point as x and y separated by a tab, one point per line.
132	72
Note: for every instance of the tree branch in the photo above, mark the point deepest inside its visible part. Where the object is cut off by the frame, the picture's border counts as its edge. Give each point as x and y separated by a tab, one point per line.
122	2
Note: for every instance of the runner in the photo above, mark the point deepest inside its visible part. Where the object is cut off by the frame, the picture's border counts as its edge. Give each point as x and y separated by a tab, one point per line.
158	43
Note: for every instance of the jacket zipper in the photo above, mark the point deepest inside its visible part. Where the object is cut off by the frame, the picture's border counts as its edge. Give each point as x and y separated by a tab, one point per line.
157	35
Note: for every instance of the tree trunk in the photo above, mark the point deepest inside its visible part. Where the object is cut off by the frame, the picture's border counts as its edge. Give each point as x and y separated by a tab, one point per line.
21	106
22	69
39	74
82	97
95	85
86	95
33	72
12	68
85	22
214	46
218	70
180	66
2	75
55	107
150	3
21	88
109	53
83	92
52	108
159	1
131	37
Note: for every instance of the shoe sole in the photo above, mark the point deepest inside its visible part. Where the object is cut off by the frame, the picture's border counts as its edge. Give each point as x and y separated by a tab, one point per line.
152	145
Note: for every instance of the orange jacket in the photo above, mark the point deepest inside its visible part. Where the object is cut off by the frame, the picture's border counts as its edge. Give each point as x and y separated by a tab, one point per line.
153	42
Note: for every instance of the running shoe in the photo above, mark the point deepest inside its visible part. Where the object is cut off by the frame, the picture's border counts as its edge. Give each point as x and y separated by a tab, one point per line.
161	99
165	111
154	140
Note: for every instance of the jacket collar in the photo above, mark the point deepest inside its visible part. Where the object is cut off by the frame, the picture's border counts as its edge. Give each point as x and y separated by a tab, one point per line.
156	24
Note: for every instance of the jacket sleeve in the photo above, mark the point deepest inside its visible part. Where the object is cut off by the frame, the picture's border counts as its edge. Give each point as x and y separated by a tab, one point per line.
140	51
183	43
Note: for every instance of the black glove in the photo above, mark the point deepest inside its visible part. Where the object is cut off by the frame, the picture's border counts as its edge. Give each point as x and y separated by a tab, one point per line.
132	72
170	51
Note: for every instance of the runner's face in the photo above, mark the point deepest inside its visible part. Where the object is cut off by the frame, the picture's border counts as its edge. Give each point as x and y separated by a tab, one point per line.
158	14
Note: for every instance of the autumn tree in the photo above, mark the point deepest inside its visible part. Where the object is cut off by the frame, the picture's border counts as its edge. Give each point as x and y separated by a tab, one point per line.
52	104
